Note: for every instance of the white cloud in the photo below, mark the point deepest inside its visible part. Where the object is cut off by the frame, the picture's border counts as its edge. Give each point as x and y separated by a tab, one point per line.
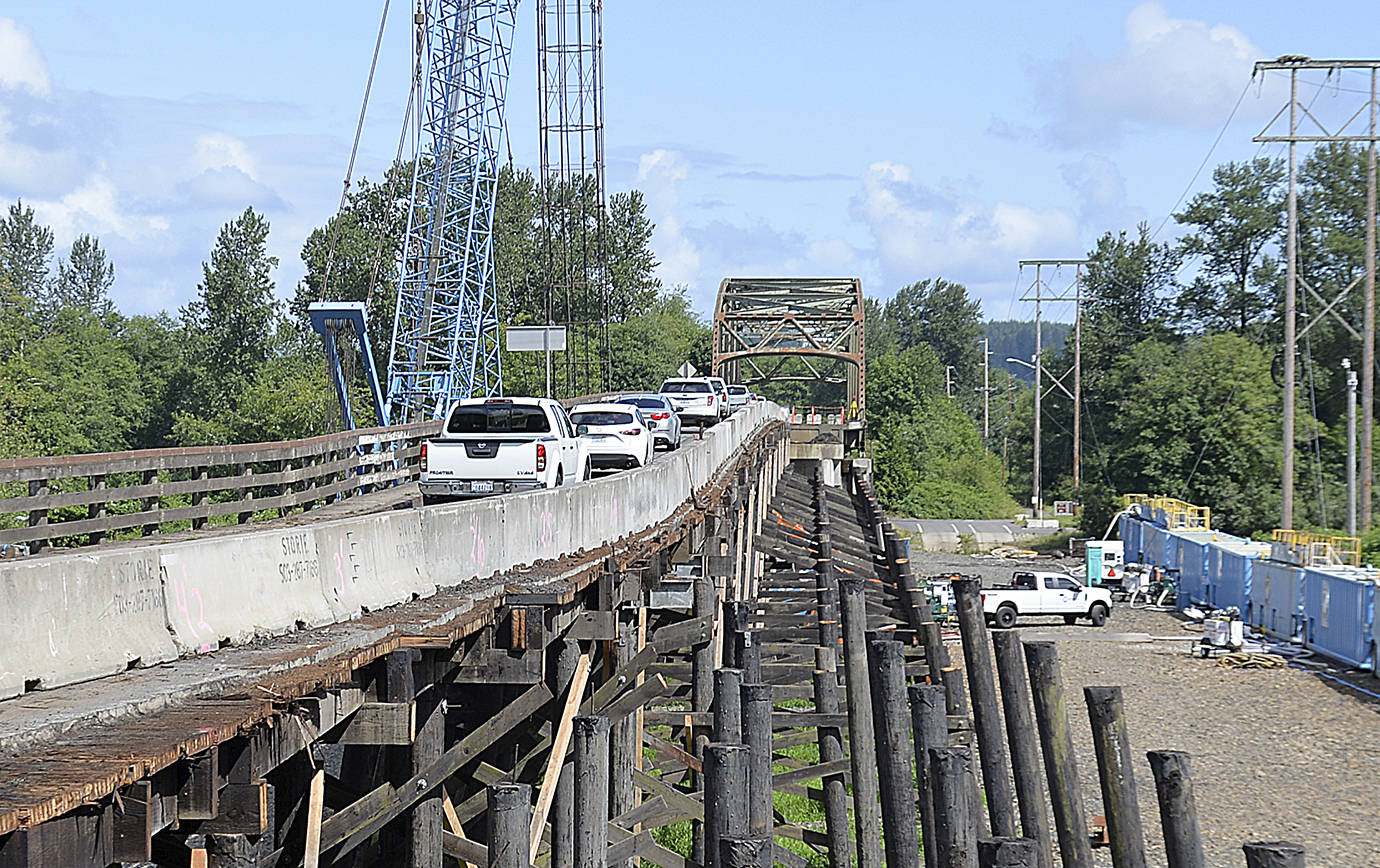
21	63
1174	71
222	151
659	175
94	208
950	232
1101	192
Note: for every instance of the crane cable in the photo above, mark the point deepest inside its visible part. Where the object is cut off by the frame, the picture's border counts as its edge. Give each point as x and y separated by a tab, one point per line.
354	151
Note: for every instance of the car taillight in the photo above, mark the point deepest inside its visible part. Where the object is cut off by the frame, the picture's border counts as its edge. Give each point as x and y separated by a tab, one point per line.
660	415
421	462
633	432
541	457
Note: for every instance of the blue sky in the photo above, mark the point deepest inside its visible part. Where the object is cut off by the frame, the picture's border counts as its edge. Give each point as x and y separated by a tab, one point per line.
893	140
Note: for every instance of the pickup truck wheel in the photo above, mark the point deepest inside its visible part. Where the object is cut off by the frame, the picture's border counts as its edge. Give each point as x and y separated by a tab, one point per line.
1098	614
1005	617
1070	619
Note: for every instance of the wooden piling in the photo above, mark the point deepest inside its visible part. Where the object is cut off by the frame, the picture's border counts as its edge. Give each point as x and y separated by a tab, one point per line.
867	814
1007	853
929	729
702	666
1056	742
1107	714
591	791
1024	742
955	696
951	775
563	802
725	796
895	752
509	817
757	708
625	742
745	851
977	655
728	706
1183	844
1273	854
831	750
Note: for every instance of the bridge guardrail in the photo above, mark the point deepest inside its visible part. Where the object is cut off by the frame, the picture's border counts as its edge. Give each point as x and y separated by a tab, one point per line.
82	499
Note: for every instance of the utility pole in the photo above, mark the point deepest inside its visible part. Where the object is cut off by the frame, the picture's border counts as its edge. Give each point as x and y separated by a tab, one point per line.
1317	132
1039	293
1350	448
986	391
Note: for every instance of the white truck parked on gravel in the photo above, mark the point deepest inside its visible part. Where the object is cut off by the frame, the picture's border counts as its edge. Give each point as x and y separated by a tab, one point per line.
497	445
1040	593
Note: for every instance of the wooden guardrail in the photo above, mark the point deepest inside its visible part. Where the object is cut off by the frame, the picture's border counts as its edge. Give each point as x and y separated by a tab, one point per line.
74	500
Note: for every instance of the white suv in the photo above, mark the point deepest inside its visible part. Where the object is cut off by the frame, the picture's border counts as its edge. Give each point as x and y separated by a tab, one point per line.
696	399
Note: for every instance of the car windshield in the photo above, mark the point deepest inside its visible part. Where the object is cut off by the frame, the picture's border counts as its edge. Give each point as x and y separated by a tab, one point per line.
645	403
601	417
684	387
498	419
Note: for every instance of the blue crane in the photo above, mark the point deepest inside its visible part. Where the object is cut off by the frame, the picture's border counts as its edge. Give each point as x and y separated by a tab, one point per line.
445	342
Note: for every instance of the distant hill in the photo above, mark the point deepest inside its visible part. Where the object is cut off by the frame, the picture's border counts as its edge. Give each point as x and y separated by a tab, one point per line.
1016	338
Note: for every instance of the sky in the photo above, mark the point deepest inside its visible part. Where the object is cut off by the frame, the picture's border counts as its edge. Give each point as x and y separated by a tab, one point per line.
890	140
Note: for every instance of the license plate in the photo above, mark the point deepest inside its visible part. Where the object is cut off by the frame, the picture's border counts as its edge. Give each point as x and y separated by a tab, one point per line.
482	487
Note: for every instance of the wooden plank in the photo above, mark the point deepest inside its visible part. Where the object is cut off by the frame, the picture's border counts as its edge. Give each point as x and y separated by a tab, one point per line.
133	833
636	698
463	850
649	849
199	858
810	773
552	773
593	626
624	679
311	856
661	745
683	634
499	666
380	723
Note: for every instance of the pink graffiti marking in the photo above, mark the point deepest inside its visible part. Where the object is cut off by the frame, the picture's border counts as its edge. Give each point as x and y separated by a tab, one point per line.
183	590
548	529
478	554
339	568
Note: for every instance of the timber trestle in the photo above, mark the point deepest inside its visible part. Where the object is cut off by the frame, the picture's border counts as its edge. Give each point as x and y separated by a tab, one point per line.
644	702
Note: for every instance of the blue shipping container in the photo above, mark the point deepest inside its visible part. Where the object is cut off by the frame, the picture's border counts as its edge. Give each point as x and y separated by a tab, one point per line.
1276	599
1339	614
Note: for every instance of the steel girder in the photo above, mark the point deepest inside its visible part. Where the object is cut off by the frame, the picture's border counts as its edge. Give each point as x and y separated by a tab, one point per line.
445	330
760	324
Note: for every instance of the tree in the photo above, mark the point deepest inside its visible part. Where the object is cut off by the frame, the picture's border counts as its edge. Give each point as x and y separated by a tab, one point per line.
84	278
1128	280
940	313
632	264
1234	221
25	248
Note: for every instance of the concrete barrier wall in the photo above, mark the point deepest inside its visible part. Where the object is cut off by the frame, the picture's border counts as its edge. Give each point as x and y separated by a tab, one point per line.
72	617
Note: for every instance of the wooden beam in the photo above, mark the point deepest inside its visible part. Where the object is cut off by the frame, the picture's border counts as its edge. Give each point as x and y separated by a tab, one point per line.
593	626
81	839
199	796
552	773
463	850
243	810
378	723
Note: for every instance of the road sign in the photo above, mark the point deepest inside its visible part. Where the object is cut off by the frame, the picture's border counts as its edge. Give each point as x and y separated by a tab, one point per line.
536	338
686	370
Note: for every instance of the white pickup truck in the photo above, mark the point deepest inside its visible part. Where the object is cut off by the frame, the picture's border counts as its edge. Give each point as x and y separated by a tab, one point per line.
497	445
1037	593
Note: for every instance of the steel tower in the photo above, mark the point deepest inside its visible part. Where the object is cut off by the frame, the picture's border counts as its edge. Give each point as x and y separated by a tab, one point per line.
445	329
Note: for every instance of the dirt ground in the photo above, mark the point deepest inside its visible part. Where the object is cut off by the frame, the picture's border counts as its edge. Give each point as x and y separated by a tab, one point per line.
1277	754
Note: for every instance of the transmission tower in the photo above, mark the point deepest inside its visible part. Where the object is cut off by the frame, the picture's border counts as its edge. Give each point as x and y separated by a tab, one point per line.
570	81
445	330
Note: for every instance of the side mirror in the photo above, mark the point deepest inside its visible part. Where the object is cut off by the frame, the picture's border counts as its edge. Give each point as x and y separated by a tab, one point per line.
581	430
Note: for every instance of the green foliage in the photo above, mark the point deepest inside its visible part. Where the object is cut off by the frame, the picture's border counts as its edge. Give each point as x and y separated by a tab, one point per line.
940	313
1015	339
84	278
25	248
649	347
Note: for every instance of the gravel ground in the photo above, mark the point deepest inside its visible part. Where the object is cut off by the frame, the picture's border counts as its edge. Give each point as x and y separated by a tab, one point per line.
1278	754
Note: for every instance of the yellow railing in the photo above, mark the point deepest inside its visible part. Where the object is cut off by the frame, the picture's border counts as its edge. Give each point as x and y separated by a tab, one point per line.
1179	515
1321	549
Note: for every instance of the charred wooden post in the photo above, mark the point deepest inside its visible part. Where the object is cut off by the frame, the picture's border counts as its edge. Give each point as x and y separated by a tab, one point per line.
895	753
1056	742
745	851
757	708
951	775
1107	714
509	816
831	750
728	706
747	656
1007	853
427	747
702	671
1024	742
1183	844
563	803
1273	854
867	815
624	740
930	729
725	796
955	696
996	773
591	791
